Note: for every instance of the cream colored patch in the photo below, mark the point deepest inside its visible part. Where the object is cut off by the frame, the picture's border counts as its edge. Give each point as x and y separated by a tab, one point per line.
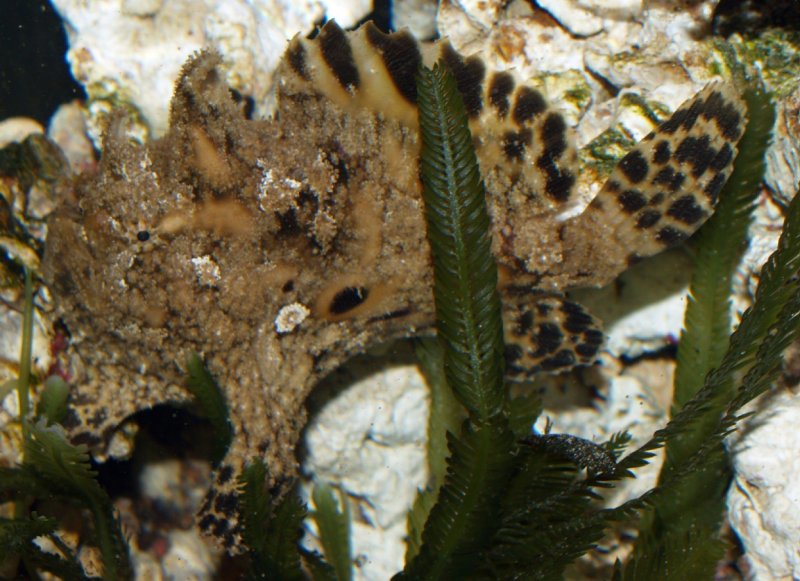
208	159
224	217
376	301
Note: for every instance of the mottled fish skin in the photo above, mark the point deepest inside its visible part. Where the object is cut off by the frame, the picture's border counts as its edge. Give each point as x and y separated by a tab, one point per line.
278	249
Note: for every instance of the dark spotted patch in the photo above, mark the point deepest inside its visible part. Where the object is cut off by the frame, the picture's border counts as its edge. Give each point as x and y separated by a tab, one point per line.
528	105
221	528
586	350
662	153
97	418
543	309
524	324
288	224
657	199
559	182
515	142
87	438
724	114
548	339
698	152
686	210
568	307
723	158
226	504
670	178
578	322
632	201
348	299
513	353
714	187
634	166
288	287
225	474
469	76
554	135
593	337
613	186
207	522
692	113
401	57
500	88
296	56
143	235
672	124
230	539
670	236
564	358
558	185
339	56
647	219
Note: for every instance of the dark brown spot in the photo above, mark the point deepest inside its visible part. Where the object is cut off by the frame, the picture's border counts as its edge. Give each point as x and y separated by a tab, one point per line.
221	528
634	166
207	522
714	187
297	59
401	57
647	219
613	186
593	337
225	474
670	178
725	115
686	210
524	324
288	287
569	307
586	351
662	153
513	353
671	125
469	76
563	358
697	152
723	158
338	55
554	135
143	235
226	504
657	199
632	201
578	322
529	104
559	181
548	339
670	236
288	225
348	299
500	87
515	142
543	308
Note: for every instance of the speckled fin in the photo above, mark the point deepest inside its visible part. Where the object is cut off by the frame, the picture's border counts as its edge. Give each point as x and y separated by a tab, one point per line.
513	126
663	190
548	334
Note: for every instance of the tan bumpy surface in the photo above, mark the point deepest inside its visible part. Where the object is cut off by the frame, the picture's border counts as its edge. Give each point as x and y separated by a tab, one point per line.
279	248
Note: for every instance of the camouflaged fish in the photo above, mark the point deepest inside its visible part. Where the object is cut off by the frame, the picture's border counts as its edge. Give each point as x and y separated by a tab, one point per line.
279	248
